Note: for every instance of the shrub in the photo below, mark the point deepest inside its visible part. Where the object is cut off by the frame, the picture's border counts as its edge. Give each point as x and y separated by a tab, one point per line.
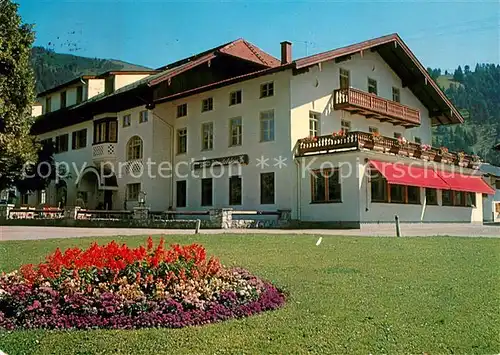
115	286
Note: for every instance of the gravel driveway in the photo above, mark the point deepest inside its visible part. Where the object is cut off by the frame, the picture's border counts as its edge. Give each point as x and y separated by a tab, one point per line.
408	230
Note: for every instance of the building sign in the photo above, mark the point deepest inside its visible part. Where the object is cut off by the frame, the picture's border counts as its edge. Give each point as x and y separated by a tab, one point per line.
234	159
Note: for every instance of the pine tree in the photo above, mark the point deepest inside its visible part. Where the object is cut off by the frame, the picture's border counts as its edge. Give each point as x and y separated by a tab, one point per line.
458	75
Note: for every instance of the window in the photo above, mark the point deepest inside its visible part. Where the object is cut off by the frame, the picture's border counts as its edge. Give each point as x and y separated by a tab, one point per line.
373	129
397	193
267	90
267	188
267	126
235	131
378	187
113	131
105	131
24	198
207	136
413	193
459	198
497	184
345	126
109	85
418	140
79	139
372	86
325	186
143	116
182	110
314	124
182	141
46	142
206	192
48	104
235	98
431	197
63	99
126	120
397	135
62	143
396	95
79	94
181	193
42	197
235	190
133	191
134	148
381	191
447	198
101	132
344	79
471	199
207	104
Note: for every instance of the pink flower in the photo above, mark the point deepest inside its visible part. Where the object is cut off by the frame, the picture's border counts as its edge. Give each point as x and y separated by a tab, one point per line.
36	304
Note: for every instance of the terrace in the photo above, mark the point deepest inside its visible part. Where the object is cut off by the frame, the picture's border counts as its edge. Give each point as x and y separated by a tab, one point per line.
340	142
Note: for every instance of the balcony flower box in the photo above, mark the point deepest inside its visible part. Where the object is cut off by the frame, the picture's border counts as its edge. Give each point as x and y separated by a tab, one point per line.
310	139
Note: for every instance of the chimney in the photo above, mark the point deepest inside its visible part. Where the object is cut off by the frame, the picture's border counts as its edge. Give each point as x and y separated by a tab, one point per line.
286	52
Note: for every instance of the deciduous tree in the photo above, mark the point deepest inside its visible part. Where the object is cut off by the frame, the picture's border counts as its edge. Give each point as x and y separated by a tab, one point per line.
17	93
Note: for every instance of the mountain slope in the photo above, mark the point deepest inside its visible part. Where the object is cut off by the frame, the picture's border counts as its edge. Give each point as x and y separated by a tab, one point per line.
52	69
477	95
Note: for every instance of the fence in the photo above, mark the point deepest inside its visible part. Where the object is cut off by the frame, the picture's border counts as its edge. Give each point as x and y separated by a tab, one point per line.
225	218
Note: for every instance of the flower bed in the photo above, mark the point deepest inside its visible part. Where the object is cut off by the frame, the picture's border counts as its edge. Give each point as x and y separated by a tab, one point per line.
114	286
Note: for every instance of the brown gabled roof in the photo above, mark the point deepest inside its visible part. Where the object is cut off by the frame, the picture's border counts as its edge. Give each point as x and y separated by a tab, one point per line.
404	63
246	50
238	48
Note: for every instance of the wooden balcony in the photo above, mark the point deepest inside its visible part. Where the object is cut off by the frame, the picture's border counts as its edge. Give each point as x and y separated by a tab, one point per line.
372	106
335	143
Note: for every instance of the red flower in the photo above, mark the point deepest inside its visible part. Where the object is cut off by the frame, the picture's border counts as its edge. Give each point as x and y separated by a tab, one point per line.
112	259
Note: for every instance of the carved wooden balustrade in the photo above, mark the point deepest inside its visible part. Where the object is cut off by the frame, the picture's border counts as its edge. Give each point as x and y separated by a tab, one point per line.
373	106
336	143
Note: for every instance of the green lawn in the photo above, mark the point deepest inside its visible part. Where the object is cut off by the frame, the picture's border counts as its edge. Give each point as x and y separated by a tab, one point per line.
348	295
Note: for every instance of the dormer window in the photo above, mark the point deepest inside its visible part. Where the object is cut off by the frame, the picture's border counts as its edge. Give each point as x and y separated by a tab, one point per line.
109	85
48	104
63	99
79	94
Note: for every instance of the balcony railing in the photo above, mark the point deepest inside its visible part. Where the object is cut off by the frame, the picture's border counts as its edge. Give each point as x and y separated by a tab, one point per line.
103	152
361	140
372	106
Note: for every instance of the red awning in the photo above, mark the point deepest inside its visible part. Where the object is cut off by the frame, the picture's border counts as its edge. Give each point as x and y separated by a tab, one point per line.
460	182
398	173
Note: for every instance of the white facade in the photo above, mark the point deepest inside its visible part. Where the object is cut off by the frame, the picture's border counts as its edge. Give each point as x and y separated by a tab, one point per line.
312	91
295	96
491	203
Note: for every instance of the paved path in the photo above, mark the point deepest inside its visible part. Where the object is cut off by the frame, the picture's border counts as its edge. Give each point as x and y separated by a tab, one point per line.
408	230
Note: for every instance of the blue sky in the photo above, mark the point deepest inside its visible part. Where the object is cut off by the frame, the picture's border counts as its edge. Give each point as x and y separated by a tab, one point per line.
154	33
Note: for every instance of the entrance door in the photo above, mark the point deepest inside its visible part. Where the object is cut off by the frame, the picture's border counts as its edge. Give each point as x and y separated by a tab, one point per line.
108	199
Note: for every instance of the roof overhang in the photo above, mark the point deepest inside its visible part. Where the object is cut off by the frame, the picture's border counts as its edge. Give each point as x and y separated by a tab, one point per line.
403	62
